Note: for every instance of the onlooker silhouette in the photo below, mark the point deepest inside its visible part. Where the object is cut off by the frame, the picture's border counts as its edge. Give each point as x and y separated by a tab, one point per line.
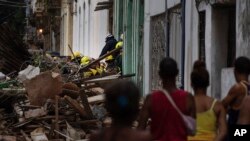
122	103
211	115
237	93
167	124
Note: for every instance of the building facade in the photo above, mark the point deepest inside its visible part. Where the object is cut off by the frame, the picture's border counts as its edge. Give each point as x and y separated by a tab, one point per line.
44	19
211	30
90	27
129	21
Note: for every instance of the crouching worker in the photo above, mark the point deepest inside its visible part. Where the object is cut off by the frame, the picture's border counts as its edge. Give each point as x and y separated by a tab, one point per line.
76	57
122	103
93	70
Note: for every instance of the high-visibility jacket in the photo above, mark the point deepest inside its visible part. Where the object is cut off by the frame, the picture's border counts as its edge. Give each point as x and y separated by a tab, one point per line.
118	45
75	55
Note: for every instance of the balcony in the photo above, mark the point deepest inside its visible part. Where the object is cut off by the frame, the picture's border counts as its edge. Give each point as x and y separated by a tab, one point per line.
38	7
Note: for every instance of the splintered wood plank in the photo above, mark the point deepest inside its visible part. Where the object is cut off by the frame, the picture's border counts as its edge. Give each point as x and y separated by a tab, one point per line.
76	106
86	104
95	99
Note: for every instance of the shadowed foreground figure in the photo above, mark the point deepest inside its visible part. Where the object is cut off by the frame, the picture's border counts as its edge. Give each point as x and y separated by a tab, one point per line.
122	103
239	91
167	124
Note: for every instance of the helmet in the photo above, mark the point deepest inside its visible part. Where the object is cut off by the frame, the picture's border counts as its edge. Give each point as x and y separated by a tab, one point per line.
119	44
75	55
108	37
85	60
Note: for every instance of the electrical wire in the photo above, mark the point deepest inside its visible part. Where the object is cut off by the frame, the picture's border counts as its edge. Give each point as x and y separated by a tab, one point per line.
5	1
10	15
10	5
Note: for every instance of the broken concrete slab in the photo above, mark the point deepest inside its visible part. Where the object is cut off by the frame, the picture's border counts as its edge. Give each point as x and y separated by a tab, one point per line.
35	113
7	138
42	87
39	135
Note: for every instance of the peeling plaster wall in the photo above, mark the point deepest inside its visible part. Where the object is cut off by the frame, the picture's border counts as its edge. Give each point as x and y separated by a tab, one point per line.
242	28
152	8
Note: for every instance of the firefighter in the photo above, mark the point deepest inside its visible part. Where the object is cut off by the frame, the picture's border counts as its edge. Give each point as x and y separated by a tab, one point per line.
118	59
76	57
109	46
93	70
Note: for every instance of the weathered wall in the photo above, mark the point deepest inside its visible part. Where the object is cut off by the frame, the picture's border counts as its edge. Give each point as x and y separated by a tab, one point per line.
152	8
218	48
173	3
242	28
156	7
228	80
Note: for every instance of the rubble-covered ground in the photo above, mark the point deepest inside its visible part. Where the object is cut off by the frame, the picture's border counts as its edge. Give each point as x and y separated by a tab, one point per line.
50	98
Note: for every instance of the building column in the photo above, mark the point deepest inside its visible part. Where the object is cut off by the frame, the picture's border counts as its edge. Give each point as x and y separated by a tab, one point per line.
146	50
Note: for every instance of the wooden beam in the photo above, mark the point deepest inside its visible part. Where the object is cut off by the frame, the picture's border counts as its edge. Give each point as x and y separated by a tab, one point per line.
103	7
57	116
105	3
76	107
101	58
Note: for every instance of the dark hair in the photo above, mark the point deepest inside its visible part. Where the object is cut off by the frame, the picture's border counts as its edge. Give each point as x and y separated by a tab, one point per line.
122	101
200	75
199	64
168	68
242	65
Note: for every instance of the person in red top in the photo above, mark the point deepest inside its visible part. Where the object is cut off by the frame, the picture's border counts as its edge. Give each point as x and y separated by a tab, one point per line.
166	122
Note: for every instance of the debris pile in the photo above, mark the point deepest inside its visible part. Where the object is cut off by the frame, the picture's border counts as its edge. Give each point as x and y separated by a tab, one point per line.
52	99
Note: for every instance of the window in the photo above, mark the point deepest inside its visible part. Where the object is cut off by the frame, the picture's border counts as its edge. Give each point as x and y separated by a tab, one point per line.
202	25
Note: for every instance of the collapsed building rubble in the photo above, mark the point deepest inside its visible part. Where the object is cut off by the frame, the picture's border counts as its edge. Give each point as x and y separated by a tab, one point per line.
50	99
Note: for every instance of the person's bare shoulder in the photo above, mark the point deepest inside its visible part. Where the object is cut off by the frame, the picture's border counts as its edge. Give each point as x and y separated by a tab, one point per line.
244	117
246	104
190	97
95	136
142	136
235	91
218	107
237	88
